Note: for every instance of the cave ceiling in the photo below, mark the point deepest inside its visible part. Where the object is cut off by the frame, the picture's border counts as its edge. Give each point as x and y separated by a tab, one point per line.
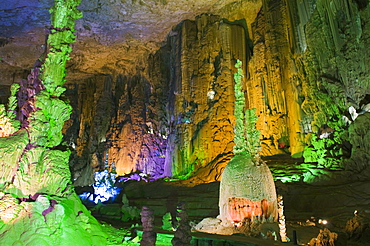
114	36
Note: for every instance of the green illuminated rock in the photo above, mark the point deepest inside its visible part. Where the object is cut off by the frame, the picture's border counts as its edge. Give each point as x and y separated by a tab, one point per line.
247	189
246	136
37	203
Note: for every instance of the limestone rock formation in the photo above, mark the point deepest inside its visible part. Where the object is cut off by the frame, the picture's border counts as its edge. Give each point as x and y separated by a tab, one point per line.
325	238
357	228
182	99
182	235
38	204
247	189
247	199
149	235
86	130
167	125
247	193
200	132
359	137
135	141
305	64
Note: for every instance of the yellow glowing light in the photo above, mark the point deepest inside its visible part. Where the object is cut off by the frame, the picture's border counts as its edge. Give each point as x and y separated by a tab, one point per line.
324	222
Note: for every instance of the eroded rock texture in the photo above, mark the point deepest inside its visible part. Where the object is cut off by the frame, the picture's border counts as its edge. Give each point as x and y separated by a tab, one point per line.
247	193
163	106
358	163
136	142
115	122
303	71
38	205
200	107
272	86
181	118
85	132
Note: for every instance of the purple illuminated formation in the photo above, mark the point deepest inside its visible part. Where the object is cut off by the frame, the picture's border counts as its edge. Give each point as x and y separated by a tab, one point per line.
26	96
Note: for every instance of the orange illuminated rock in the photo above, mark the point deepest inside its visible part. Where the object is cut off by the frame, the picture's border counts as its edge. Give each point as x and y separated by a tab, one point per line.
242	210
247	193
247	199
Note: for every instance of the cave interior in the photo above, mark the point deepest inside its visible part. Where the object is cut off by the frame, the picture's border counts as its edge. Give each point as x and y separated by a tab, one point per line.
184	122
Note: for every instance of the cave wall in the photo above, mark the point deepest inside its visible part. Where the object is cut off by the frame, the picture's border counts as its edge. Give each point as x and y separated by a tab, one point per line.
304	63
202	57
272	86
135	142
85	133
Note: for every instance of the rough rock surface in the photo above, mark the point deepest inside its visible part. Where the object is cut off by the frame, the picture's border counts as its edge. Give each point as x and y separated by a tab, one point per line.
85	132
38	204
359	138
200	119
305	64
247	193
114	36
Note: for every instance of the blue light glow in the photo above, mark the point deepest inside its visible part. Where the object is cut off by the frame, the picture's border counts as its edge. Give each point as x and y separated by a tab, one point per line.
104	189
104	186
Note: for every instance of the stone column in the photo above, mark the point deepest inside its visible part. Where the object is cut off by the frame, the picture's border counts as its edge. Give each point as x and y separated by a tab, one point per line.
147	219
182	235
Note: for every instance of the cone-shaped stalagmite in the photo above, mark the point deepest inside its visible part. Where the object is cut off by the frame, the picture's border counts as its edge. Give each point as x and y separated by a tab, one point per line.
247	190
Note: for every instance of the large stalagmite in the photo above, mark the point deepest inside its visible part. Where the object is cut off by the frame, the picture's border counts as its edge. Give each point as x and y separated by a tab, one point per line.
247	193
247	189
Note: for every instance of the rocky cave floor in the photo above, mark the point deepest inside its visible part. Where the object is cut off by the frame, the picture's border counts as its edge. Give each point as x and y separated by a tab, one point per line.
304	206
